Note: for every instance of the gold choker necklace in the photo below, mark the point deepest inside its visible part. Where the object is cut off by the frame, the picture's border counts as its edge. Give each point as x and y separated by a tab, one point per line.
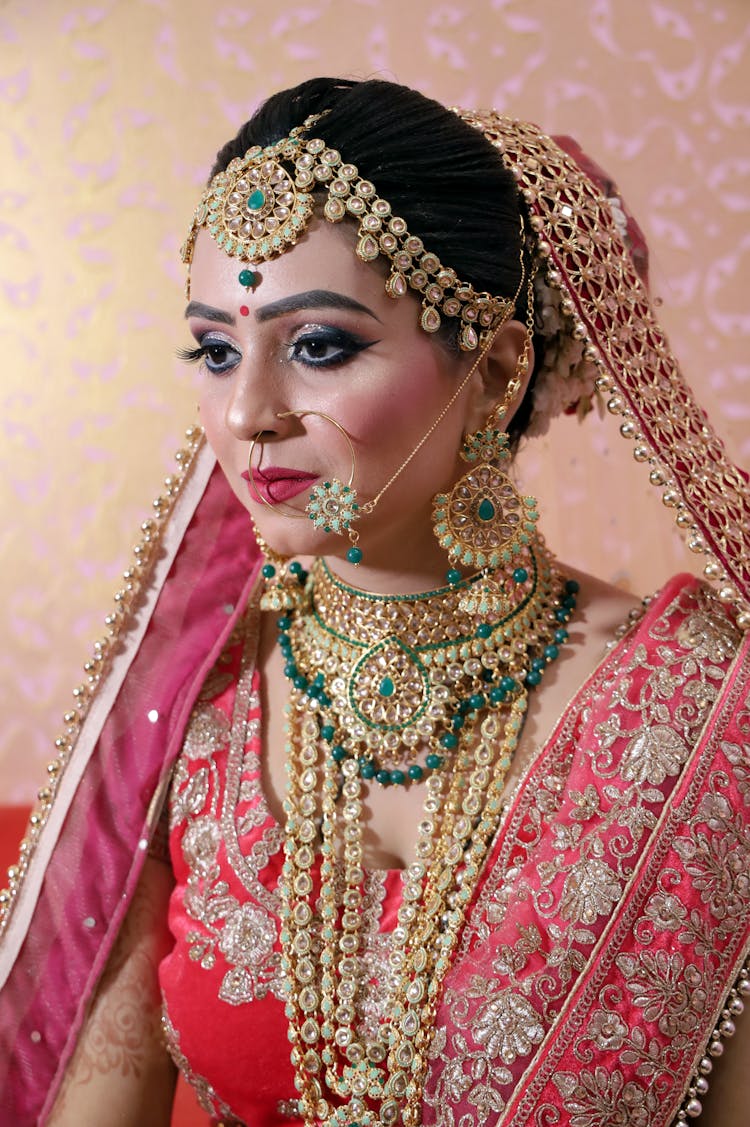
393	675
348	701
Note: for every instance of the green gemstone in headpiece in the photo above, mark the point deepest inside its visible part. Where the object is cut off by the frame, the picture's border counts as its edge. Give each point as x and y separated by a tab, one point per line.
246	278
486	510
256	200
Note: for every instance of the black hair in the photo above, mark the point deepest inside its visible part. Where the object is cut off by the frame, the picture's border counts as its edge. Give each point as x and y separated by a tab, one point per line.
440	174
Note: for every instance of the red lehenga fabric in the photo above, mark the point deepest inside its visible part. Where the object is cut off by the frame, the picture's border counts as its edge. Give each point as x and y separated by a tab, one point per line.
610	924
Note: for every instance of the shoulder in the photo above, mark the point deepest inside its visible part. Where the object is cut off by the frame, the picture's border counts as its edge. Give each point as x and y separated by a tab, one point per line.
685	610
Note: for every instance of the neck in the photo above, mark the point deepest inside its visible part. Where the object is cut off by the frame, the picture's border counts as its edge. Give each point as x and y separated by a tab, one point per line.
419	564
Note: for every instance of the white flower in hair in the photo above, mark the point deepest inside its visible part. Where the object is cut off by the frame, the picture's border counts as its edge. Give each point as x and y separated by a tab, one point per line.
566	379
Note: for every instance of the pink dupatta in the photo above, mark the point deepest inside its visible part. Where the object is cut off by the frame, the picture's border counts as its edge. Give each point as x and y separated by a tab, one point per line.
109	796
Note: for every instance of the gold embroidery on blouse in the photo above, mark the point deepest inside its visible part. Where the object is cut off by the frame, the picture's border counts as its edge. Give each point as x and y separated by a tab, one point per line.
244	933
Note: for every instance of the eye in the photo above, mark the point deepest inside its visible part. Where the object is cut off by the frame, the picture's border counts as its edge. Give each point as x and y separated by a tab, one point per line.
218	355
325	346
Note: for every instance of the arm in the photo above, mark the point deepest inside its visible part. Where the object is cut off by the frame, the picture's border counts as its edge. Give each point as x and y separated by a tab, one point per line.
120	1063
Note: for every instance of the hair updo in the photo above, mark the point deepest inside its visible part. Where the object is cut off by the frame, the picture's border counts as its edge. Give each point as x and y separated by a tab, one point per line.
440	174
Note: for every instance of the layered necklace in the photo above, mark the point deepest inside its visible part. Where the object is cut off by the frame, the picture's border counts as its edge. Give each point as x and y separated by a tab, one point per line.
427	690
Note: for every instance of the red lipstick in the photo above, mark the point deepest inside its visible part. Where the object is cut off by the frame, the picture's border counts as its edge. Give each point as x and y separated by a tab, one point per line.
278	483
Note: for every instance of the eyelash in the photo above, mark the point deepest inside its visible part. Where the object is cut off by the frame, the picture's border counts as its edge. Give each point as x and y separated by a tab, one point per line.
345	344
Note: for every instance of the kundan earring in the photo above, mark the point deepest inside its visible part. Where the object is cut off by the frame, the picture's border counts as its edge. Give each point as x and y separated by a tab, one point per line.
284	579
484	522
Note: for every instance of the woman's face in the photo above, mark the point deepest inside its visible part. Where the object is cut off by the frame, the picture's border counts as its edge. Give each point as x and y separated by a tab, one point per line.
319	333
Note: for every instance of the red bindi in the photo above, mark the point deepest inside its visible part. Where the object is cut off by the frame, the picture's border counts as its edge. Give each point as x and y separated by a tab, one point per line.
244	310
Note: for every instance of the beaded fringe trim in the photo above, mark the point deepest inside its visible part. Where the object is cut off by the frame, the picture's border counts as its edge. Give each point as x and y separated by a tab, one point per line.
725	1027
126	600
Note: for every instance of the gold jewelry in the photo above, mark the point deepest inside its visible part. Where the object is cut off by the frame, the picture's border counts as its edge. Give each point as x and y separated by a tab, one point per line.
484	522
351	705
262	203
332	505
283	579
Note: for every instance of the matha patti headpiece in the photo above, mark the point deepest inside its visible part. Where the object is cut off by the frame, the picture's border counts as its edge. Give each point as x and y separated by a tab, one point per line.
261	204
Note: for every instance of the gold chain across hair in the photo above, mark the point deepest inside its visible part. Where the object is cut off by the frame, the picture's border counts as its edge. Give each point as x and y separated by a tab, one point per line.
262	203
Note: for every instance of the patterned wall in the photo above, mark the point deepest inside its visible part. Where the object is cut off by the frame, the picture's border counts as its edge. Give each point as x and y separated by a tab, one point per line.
110	112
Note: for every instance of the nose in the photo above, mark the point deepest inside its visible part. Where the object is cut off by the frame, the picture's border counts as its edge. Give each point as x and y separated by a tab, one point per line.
253	405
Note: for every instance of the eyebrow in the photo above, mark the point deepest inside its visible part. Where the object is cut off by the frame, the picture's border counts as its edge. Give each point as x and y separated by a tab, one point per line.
311	299
208	313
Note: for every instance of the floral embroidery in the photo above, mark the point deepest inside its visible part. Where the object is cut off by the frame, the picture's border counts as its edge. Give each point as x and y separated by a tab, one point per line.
739	758
242	935
591	888
207	731
566	860
607	1030
654	755
508	1026
667	990
604	1099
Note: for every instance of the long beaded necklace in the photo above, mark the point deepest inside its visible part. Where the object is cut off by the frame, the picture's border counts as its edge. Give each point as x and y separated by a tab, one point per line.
366	672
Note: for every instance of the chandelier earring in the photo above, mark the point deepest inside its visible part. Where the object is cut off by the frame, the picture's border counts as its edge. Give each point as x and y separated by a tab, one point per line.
484	523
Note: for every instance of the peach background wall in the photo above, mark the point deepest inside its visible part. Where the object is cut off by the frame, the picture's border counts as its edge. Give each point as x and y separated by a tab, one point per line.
110	112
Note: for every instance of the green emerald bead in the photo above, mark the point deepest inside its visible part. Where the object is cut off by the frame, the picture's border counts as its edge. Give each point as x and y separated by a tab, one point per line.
484	630
453	576
415	772
520	575
434	761
486	510
398	778
386	688
354	555
327	732
338	753
449	740
366	769
246	278
383	777
256	200
268	571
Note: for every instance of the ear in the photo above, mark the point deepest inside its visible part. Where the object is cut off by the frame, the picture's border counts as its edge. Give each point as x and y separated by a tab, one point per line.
499	365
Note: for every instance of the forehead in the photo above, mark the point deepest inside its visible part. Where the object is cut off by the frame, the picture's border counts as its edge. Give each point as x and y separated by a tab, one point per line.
324	258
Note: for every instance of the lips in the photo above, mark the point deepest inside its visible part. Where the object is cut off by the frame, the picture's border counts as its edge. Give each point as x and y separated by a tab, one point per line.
277	483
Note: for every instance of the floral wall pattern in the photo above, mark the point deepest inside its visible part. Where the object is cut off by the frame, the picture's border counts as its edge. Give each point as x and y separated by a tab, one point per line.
110	112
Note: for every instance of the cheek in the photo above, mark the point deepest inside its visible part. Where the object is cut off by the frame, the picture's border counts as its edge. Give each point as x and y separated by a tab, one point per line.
212	414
